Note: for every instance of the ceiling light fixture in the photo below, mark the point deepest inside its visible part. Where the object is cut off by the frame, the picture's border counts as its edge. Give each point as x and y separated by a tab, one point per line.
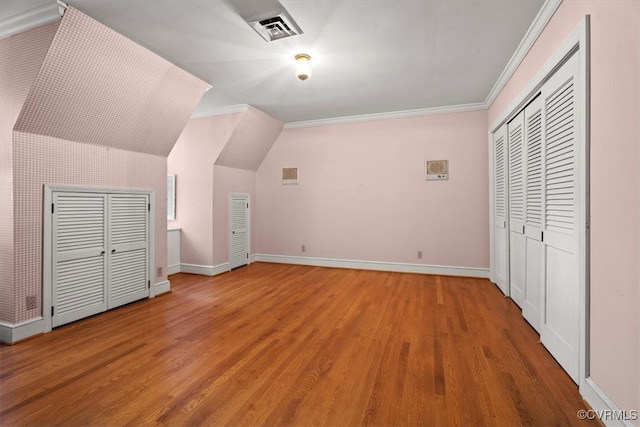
303	66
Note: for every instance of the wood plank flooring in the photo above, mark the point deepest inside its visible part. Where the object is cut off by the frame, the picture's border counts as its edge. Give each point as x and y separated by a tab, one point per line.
280	345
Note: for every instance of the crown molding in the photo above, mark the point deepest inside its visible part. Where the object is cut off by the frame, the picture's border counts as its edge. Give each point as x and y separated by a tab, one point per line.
219	111
539	23
385	116
31	18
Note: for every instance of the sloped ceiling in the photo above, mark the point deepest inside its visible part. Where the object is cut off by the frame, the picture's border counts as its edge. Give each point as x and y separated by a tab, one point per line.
369	56
251	140
96	86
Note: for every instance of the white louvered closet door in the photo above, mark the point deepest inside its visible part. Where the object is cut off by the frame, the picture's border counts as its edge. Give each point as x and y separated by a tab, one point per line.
79	256
239	231
561	325
533	208
501	233
128	248
517	243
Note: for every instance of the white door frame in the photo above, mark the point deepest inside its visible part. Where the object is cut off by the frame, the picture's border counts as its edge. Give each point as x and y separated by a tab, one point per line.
47	238
577	42
230	208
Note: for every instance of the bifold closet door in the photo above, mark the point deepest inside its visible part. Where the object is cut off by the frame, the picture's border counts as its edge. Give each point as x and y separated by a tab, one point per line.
560	322
517	242
533	207
100	251
128	248
501	230
79	256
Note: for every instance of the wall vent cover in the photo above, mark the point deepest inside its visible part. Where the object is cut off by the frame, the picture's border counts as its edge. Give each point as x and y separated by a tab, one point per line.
277	27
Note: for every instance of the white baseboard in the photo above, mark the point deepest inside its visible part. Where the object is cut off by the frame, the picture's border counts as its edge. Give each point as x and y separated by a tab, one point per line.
173	269
375	265
11	333
162	287
205	270
603	406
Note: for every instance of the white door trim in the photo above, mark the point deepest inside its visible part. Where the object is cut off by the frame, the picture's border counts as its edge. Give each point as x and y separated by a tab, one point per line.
47	241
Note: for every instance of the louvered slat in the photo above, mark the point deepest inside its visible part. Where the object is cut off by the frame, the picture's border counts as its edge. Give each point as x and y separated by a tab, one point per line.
128	274
534	170
80	283
79	222
500	194
128	219
516	184
559	159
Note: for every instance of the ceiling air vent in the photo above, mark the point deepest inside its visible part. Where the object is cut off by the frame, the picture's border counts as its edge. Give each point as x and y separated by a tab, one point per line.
278	27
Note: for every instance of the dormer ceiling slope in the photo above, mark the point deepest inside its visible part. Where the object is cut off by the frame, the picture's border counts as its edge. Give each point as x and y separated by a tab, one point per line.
96	86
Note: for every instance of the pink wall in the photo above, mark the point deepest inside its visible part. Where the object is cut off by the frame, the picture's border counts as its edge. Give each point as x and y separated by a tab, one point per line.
362	193
615	182
226	181
192	160
20	58
213	157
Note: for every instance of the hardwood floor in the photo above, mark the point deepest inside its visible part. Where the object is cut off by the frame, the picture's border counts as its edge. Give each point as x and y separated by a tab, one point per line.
277	345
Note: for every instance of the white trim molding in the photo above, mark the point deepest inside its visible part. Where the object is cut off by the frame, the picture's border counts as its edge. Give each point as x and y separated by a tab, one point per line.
389	115
11	333
204	270
219	111
375	265
173	269
162	287
29	19
607	411
539	23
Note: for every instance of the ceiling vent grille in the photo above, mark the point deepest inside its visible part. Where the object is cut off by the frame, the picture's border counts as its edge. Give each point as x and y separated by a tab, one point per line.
278	27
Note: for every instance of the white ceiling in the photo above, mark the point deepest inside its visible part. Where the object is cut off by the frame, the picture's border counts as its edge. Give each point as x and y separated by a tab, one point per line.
368	56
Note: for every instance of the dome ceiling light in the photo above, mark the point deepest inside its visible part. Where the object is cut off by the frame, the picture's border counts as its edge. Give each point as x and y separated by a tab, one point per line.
303	66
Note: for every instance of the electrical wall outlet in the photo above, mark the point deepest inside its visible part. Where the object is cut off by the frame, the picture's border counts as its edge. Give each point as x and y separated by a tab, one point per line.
159	272
32	302
419	254
304	248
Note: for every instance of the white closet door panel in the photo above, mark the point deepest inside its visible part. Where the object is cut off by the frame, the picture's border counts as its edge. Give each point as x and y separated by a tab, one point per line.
128	281
533	172
534	205
517	197
129	248
239	233
517	267
516	174
501	229
560	328
534	283
79	263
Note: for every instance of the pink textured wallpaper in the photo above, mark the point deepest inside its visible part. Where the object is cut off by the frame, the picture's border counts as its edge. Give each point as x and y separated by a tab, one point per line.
101	112
615	182
225	181
251	140
144	100
20	58
192	160
362	193
40	160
